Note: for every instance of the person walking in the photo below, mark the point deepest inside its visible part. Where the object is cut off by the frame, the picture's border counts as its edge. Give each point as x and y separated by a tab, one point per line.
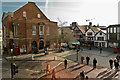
86	78
87	59
100	50
94	63
82	75
47	69
117	57
116	63
82	59
65	63
111	63
53	74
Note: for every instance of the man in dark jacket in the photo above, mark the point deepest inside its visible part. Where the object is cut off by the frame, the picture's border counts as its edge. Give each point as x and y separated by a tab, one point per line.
94	63
116	65
65	63
111	63
87	59
82	75
117	57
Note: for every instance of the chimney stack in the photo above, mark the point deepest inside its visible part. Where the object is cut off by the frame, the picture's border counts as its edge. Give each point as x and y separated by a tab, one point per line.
90	24
74	24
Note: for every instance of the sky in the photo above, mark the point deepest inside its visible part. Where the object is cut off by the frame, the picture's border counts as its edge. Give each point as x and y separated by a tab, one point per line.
102	12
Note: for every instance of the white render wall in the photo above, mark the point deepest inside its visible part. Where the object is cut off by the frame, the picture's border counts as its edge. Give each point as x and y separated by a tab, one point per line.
93	34
103	35
90	30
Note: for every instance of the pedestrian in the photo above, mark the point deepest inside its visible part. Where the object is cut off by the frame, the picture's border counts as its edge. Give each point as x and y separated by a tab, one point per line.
82	59
117	57
100	50
86	78
115	60
111	63
87	59
94	63
65	63
82	75
47	69
53	74
116	65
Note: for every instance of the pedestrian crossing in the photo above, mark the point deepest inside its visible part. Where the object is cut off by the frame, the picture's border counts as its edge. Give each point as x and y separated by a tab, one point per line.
74	70
100	73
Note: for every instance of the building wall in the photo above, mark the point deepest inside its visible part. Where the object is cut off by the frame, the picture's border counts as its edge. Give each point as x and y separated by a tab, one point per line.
103	35
24	27
93	34
119	12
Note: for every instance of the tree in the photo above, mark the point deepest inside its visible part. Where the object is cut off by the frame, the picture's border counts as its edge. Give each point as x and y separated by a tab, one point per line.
61	35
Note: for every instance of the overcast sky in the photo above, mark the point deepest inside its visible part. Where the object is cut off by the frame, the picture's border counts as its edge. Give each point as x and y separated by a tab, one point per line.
102	12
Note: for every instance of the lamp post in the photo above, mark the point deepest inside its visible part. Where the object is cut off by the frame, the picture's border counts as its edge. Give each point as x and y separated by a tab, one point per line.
12	51
25	36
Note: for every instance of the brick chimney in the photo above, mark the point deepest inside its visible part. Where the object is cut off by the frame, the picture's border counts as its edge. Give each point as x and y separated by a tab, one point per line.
74	24
90	24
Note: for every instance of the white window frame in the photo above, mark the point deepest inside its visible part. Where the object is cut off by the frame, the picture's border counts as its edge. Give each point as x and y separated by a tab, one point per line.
41	33
47	30
111	30
108	30
38	15
114	29
33	31
24	13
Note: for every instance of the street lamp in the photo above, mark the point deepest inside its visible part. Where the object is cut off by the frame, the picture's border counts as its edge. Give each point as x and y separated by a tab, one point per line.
25	36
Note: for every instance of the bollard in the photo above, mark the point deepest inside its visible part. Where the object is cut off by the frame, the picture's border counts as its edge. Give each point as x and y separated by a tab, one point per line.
54	57
32	57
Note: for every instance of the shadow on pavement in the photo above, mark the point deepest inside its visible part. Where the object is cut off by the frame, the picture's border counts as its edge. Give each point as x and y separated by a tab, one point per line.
78	68
112	74
105	75
89	71
101	73
73	66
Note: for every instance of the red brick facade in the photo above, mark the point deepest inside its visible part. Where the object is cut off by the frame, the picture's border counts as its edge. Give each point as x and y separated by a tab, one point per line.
22	28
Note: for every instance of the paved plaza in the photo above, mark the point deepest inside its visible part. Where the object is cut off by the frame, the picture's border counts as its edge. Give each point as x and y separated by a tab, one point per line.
35	68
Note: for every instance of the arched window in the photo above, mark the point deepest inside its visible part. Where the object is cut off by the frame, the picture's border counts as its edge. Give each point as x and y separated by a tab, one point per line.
24	13
38	15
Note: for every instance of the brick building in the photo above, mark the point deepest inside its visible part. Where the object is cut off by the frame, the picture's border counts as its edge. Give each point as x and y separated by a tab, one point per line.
28	28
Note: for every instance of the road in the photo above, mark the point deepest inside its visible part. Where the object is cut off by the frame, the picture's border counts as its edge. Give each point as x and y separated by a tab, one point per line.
103	58
35	69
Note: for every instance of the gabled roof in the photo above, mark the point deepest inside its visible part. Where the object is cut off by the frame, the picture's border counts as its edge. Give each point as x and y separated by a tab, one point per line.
82	28
33	4
103	31
85	28
95	29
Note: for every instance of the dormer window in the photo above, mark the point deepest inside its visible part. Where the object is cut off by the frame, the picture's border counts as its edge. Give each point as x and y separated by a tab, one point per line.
24	13
38	15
